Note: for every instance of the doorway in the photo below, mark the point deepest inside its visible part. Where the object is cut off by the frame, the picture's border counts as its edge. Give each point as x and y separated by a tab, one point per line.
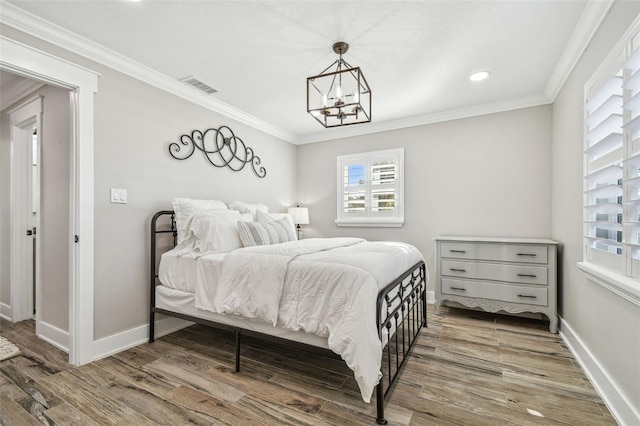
39	216
24	60
24	216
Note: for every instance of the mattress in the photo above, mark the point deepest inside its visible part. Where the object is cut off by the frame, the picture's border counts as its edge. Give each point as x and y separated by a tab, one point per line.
182	302
178	270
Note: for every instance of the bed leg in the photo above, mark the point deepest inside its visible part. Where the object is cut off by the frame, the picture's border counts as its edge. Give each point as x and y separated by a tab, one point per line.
152	326
380	404
237	350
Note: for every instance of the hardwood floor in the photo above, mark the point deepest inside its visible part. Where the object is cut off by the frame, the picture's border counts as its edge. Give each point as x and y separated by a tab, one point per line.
468	368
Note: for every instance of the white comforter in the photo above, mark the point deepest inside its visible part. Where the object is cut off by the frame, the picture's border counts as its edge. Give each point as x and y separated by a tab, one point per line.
324	286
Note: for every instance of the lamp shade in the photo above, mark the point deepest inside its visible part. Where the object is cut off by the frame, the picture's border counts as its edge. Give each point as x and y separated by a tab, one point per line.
300	215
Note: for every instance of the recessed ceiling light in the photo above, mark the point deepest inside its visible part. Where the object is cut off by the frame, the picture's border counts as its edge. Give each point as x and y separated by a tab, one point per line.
479	76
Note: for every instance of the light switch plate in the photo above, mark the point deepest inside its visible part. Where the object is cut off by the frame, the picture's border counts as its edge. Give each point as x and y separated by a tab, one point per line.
118	195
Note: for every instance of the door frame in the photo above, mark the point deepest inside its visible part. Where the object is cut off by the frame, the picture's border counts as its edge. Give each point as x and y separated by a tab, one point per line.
23	119
32	63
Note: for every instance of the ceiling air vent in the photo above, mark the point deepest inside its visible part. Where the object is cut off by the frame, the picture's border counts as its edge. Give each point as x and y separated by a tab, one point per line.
192	81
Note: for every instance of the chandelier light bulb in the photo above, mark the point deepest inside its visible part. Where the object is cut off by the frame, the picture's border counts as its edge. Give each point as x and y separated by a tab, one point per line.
338	93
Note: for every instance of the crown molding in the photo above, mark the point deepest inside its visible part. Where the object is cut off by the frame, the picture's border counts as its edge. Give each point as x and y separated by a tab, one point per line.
592	16
17	18
421	120
26	22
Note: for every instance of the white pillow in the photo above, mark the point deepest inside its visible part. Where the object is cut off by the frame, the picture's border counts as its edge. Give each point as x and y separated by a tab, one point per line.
186	209
257	234
263	217
217	231
248	208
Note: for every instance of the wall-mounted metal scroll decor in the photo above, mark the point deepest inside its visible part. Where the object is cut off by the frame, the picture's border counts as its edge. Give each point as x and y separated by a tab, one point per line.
221	147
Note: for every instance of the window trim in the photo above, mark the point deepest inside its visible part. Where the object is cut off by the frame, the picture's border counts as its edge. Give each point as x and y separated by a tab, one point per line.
619	283
395	221
623	286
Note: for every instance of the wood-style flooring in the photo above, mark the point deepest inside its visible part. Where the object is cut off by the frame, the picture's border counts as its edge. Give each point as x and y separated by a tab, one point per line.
468	368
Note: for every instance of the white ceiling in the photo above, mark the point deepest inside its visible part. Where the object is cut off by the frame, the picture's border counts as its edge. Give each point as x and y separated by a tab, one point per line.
8	80
417	55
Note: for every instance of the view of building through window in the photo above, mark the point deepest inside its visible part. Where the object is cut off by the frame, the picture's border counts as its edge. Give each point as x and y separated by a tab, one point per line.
370	188
381	177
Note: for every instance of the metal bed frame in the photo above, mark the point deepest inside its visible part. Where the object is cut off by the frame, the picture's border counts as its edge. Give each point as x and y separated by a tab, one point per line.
401	309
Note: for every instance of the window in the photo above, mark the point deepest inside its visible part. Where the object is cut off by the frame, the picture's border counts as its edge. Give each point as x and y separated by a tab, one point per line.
612	167
370	189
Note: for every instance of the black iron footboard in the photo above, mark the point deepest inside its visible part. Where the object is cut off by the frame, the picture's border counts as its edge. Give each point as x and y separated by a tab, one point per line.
401	312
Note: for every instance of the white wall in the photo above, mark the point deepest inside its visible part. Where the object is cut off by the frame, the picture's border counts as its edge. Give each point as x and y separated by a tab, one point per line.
482	176
608	325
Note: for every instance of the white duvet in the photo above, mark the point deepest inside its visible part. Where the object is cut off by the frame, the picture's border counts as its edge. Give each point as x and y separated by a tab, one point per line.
325	286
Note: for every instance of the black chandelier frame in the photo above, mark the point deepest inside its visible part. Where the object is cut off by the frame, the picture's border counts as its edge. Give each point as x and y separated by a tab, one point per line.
340	109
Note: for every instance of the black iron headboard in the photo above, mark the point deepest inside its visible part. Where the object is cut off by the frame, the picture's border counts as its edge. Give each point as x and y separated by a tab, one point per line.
154	246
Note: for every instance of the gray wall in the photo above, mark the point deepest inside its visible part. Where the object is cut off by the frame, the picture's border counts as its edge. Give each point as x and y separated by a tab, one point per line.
54	230
488	175
608	325
134	124
482	176
54	210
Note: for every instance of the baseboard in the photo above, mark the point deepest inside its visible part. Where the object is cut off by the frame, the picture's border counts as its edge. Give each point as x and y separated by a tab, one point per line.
6	312
47	332
53	335
619	405
110	345
431	297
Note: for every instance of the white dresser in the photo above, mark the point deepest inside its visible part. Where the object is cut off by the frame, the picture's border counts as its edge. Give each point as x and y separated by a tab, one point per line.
498	274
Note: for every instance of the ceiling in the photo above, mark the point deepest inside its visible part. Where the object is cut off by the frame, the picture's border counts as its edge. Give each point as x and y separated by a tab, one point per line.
416	55
8	80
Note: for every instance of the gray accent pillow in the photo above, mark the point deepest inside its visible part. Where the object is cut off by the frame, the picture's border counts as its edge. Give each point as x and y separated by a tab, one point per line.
257	234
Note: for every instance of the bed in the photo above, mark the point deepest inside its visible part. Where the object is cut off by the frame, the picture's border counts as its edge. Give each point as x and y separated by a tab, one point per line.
373	293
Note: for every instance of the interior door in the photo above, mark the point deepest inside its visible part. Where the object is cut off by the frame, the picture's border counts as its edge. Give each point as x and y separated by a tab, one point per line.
24	216
35	218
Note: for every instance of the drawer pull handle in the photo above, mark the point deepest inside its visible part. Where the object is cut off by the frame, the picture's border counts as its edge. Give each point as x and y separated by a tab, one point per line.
457	270
527	296
527	275
457	251
458	288
527	254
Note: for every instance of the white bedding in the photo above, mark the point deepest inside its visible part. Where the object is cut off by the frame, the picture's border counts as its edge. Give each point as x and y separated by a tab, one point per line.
177	269
184	303
327	287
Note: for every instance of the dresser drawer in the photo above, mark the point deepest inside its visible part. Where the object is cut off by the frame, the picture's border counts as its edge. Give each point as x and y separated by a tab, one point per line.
495	272
521	253
495	291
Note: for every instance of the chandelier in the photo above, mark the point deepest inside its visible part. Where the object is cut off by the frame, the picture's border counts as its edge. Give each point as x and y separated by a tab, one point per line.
339	95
